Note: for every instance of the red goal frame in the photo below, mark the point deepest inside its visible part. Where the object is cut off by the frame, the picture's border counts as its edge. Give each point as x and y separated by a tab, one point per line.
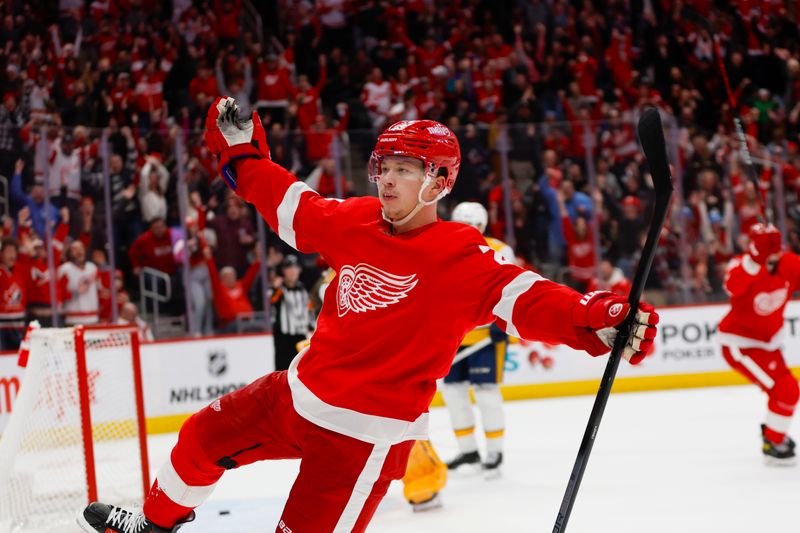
85	407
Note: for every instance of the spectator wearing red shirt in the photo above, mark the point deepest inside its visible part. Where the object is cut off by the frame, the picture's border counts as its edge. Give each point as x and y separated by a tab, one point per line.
307	98
33	254
619	57
497	209
203	87
150	88
230	294
153	249
227	13
104	287
275	89
319	136
499	53
610	278
490	98
323	180
580	246
13	296
122	99
585	70
582	122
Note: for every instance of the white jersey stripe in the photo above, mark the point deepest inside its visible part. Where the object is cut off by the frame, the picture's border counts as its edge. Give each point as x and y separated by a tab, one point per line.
361	426
362	489
287	209
730	339
505	307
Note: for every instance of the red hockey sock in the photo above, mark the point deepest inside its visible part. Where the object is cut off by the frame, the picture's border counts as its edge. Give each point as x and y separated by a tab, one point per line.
161	510
773	436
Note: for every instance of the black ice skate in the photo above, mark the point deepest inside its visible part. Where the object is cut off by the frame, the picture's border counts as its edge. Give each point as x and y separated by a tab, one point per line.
778	454
470	458
491	466
101	518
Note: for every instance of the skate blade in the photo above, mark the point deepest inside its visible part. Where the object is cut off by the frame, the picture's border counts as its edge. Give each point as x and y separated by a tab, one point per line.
780	463
433	503
81	520
494	473
467	470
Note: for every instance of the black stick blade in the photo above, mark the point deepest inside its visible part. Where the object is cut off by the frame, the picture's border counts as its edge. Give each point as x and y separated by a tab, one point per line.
651	135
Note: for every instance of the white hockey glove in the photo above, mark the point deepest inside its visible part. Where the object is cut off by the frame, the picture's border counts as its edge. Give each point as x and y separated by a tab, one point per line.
231	139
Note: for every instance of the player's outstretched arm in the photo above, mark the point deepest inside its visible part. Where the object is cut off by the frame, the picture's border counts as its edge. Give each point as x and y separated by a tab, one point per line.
531	307
291	208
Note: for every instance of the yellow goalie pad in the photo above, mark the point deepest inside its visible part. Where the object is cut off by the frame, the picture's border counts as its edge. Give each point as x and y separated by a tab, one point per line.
426	474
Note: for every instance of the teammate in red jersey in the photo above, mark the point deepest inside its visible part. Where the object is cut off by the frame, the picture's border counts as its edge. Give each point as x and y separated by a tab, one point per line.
408	288
760	283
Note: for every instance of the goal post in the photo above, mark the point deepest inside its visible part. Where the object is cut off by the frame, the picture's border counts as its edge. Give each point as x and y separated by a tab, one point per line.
77	432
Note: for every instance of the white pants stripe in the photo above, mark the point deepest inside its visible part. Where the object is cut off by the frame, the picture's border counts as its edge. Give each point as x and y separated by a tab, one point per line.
747	362
776	422
178	491
363	487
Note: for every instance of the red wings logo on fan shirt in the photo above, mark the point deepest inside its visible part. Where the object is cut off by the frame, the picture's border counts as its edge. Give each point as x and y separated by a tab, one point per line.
766	303
365	288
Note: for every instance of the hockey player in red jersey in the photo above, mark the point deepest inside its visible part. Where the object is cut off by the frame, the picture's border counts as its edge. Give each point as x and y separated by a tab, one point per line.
408	288
760	283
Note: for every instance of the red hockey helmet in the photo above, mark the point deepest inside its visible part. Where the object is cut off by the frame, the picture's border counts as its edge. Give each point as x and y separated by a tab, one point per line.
430	141
765	240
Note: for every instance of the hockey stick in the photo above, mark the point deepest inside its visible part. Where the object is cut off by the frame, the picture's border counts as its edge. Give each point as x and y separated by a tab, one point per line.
651	136
693	16
469	350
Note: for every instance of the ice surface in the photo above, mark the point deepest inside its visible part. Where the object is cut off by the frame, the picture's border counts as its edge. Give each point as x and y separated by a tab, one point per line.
664	462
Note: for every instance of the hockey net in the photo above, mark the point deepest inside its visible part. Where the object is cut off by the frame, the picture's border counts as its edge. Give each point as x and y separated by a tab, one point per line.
76	433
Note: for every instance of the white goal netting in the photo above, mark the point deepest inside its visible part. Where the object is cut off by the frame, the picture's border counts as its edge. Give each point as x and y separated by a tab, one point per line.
54	455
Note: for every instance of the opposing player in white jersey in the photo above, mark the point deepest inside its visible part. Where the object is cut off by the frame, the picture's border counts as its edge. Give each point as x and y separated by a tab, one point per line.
479	366
408	288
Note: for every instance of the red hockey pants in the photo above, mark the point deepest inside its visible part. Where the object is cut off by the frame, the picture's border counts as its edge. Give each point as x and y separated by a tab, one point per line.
341	481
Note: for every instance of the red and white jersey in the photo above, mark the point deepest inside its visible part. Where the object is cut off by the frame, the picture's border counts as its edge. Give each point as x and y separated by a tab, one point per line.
617	283
758	299
13	296
81	304
395	314
377	97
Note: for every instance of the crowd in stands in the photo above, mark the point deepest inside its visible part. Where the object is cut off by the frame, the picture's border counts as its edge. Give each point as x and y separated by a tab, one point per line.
103	106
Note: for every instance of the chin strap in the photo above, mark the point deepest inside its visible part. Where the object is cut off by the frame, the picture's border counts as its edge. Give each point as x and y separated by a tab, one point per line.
420	204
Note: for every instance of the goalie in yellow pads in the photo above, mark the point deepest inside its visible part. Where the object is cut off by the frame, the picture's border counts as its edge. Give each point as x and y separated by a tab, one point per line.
426	475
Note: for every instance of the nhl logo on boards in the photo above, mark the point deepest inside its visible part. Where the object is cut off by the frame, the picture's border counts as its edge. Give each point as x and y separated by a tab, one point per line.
217	363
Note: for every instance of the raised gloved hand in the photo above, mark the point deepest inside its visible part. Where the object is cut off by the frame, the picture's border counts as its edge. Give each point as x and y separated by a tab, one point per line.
230	138
602	312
